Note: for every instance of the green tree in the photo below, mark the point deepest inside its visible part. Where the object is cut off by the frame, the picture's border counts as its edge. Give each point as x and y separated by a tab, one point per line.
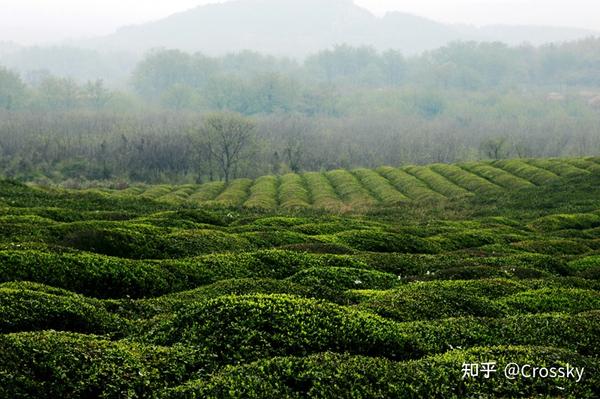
12	90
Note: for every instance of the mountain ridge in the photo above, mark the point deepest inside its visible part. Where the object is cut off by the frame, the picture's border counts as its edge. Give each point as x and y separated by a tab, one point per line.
297	28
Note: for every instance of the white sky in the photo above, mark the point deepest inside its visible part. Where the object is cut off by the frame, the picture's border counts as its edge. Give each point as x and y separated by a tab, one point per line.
35	21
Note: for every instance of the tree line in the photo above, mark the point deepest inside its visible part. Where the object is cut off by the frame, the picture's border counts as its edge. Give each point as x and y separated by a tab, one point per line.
344	107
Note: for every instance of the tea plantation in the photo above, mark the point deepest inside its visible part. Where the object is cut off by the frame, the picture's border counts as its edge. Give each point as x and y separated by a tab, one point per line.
344	284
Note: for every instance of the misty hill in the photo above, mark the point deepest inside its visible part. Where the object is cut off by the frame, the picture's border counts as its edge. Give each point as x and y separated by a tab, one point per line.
299	27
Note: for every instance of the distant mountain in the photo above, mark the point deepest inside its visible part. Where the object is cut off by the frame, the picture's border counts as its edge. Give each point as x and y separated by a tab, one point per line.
300	27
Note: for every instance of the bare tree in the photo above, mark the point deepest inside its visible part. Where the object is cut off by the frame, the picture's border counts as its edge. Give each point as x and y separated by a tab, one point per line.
228	134
494	148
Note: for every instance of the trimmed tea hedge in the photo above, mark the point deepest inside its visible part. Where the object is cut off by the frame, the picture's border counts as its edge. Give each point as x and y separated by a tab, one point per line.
436	181
380	187
409	185
350	189
292	192
263	193
322	192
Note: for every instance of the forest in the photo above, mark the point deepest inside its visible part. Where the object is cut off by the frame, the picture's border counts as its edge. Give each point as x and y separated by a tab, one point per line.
345	107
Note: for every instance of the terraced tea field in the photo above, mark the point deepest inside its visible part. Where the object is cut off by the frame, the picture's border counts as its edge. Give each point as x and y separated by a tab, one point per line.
362	189
255	289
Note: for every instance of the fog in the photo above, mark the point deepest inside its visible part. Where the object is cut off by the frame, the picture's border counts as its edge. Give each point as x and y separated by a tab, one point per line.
41	21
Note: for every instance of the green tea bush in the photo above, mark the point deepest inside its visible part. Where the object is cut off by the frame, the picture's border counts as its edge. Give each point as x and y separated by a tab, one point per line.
469	239
486	272
280	222
333	225
562	169
553	247
88	274
37	287
154	192
24	310
66	365
580	332
585	264
350	189
563	222
235	193
437	182
292	192
496	175
409	185
245	286
263	193
275	238
420	264
321	191
379	241
380	187
245	328
135	241
468	180
178	196
183	218
147	308
207	192
526	171
186	243
319	248
553	300
438	299
331	375
584	164
342	278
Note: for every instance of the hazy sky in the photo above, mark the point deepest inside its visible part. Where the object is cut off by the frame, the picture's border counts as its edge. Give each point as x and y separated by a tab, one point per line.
30	21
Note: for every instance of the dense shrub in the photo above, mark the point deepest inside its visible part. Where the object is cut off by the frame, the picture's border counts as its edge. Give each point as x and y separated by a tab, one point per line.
67	365
342	376
553	300
173	302
380	241
127	241
340	278
562	222
24	310
438	299
245	328
580	332
553	247
106	277
186	243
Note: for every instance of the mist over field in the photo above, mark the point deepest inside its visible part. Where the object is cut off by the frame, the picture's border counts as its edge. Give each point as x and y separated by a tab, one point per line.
299	199
327	84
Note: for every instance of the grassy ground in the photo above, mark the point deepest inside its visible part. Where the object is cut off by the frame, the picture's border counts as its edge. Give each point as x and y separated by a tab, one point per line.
364	284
